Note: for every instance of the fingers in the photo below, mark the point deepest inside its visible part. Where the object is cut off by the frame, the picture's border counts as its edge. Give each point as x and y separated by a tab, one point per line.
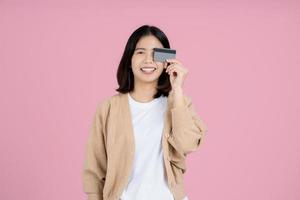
170	60
174	68
169	67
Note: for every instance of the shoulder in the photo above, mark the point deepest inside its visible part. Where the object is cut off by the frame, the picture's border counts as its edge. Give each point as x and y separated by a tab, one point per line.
104	104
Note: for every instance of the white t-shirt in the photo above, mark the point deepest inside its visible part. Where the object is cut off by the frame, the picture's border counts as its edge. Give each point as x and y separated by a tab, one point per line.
147	180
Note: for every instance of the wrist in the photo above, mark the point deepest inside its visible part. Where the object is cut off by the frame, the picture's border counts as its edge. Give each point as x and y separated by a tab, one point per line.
178	97
177	90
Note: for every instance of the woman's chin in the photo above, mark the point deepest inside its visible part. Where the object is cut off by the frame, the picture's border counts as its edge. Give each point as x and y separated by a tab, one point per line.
152	79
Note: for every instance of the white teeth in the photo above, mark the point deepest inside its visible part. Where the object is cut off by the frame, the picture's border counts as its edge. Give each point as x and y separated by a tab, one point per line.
148	69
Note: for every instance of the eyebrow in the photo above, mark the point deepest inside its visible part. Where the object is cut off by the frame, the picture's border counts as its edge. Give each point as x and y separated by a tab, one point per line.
142	49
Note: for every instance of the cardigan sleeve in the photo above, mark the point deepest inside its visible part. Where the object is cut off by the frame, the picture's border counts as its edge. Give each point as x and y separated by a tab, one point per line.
187	129
95	162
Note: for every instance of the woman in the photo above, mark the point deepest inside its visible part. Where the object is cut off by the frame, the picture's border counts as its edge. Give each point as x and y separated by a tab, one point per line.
141	136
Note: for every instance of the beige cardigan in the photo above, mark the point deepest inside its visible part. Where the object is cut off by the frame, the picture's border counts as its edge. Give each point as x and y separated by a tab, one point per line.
110	148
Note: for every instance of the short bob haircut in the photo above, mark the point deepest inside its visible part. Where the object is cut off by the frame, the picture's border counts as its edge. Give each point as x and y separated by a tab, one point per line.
125	75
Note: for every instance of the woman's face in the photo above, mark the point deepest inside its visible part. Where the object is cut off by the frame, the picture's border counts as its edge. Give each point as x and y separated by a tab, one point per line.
144	68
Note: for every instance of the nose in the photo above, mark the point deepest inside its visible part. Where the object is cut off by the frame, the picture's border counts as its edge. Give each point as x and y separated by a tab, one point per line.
149	57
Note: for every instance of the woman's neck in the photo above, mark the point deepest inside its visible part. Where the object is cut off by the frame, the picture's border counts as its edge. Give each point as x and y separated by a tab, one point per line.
143	92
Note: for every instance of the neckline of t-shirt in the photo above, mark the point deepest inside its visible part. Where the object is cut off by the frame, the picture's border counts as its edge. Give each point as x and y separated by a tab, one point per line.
153	101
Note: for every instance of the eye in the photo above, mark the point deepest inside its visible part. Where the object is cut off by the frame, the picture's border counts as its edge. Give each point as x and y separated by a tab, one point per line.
140	52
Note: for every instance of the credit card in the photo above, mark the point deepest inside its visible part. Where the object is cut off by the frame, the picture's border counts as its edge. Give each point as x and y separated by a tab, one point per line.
161	54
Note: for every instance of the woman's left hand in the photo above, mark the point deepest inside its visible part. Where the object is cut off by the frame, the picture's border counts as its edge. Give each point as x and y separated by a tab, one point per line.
177	73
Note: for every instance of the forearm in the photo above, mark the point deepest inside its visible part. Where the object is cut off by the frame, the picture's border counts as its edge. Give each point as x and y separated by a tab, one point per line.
178	97
187	127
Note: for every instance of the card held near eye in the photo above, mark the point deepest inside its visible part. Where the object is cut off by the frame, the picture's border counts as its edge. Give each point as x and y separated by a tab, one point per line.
161	54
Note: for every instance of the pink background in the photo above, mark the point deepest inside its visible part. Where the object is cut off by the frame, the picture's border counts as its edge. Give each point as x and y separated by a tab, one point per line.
58	59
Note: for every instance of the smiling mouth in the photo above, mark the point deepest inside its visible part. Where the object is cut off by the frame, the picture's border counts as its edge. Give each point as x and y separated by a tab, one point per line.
148	70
